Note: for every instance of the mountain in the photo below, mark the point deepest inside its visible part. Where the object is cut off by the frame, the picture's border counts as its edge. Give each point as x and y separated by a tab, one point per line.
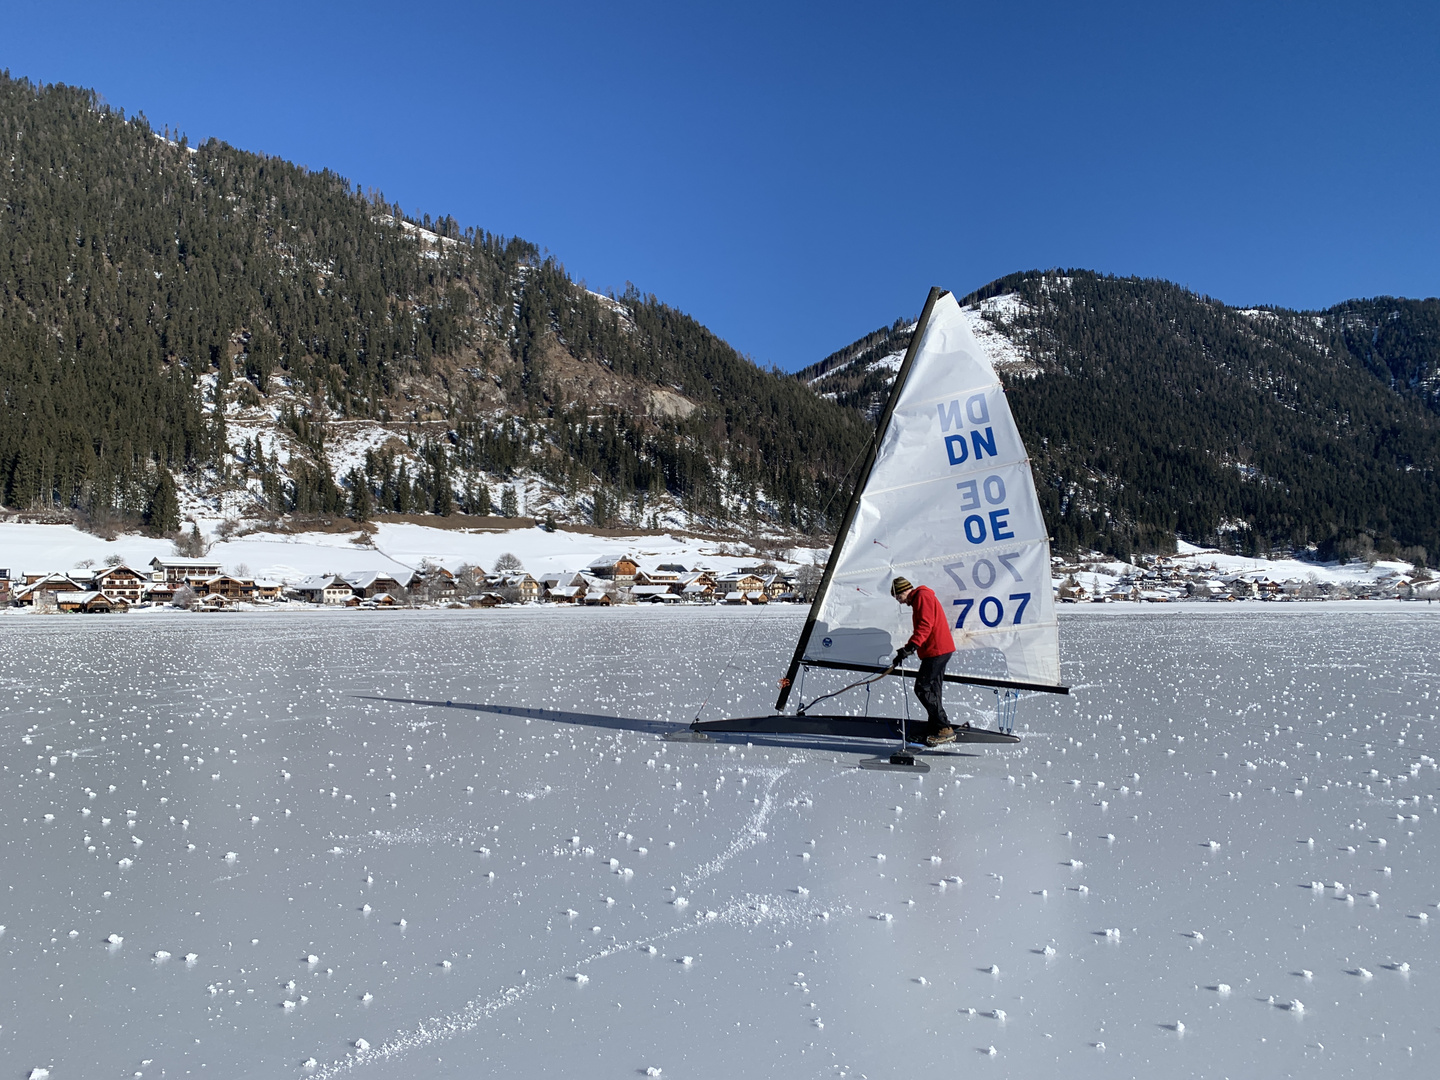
198	328
1153	413
202	331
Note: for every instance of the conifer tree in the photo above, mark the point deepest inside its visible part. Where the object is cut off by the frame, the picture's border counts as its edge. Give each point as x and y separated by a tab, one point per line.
162	513
360	504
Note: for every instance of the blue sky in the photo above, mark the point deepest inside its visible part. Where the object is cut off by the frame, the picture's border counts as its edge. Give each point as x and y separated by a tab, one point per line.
797	175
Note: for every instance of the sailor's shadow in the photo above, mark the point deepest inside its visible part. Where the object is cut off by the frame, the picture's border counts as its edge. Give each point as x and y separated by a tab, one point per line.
649	727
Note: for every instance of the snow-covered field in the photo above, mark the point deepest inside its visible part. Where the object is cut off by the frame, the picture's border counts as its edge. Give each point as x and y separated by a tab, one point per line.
288	558
222	854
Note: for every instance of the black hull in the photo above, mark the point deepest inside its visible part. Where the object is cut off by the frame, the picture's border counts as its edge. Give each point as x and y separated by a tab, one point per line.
846	727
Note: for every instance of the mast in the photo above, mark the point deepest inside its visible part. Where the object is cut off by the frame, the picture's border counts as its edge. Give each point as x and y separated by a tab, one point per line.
785	686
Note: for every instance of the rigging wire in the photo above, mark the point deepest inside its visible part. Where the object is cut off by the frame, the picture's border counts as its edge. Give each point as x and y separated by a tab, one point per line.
845	476
719	674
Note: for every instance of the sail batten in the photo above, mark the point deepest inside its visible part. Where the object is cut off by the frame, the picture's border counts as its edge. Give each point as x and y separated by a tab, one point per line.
948	500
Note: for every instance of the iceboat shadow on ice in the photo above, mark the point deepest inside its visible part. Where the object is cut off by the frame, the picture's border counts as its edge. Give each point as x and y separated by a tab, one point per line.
797	740
618	723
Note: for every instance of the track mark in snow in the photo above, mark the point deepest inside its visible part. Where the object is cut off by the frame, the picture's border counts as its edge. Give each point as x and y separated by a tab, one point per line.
752	832
751	911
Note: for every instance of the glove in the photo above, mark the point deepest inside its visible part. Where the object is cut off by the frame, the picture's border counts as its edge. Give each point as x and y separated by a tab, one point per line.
904	653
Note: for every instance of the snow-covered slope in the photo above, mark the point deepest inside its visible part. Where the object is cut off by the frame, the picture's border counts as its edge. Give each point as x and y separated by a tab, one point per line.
389	547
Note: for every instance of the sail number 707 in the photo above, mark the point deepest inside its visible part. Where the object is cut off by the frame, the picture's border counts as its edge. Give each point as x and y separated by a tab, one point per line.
982	574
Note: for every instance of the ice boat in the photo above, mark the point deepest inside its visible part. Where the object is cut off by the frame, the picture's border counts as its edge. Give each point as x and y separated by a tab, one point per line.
945	498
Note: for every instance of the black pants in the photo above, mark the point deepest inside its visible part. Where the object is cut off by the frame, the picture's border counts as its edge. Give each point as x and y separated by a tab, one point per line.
930	688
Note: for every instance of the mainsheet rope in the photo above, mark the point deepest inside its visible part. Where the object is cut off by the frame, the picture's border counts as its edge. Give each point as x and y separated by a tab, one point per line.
834	693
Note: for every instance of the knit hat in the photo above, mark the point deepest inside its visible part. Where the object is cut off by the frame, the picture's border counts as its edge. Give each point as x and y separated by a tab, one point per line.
900	585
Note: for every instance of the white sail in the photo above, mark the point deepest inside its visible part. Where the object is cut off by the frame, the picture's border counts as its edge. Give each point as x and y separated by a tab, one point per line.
950	503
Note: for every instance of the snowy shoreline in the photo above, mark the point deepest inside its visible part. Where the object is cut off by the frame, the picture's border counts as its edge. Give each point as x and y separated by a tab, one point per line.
1248	607
402	547
772	612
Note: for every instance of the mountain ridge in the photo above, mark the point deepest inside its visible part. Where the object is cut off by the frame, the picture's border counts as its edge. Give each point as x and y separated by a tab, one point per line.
191	330
1257	429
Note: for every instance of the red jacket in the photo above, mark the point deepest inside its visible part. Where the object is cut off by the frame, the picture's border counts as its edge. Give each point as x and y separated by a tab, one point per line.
932	629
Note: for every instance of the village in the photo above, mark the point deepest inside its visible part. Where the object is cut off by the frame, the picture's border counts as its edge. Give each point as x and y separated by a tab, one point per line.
203	585
1161	579
207	585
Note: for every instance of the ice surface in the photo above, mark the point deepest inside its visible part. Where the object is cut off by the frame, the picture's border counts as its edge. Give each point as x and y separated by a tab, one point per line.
350	933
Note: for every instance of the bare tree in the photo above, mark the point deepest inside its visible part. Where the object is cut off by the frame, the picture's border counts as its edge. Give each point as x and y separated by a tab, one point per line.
113	560
184	597
468	580
807	580
434	584
190	545
508	563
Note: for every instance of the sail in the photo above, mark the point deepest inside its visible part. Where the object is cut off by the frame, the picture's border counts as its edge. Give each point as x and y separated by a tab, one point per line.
948	502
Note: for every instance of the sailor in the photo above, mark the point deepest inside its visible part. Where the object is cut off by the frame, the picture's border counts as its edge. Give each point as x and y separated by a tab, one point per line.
933	642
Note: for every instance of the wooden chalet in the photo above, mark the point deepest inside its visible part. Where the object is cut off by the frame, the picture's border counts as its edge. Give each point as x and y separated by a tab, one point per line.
39	584
440	582
265	589
525	587
178	570
231	588
753	587
161	592
121	582
622	571
561	588
89	602
370	583
778	585
322	589
656	594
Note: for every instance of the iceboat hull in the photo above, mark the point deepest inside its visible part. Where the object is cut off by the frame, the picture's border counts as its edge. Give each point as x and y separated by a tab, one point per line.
845	727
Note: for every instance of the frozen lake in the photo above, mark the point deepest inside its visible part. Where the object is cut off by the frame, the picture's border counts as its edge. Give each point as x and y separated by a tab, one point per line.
221	855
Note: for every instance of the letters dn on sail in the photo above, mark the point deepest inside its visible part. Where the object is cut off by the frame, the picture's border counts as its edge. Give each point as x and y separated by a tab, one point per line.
981	443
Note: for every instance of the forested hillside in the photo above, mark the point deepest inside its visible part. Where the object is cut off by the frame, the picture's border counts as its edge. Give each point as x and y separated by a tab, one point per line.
1151	412
225	320
186	326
